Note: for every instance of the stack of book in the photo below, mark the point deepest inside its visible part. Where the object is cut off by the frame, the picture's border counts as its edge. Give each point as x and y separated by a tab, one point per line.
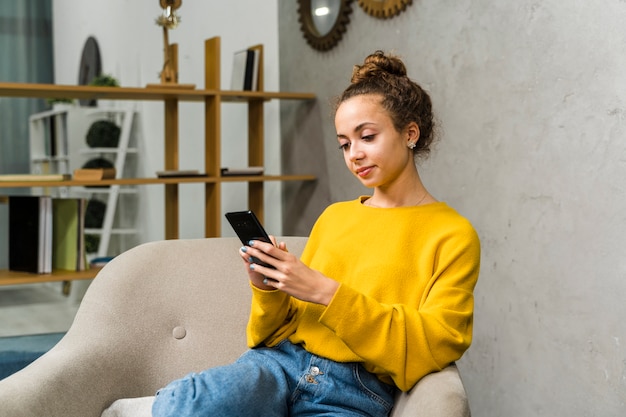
46	233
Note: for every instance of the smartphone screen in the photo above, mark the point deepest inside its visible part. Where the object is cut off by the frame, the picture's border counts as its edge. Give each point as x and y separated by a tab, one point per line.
248	227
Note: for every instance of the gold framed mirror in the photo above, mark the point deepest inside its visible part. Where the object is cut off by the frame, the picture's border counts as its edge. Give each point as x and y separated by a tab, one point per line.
323	22
384	9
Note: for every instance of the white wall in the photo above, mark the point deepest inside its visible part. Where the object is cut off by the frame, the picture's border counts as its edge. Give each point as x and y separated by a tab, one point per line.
131	46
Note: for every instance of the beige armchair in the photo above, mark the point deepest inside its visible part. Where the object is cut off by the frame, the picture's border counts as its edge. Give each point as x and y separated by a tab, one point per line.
153	314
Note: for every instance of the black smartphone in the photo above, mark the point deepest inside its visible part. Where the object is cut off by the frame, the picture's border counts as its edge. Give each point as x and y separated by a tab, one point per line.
248	227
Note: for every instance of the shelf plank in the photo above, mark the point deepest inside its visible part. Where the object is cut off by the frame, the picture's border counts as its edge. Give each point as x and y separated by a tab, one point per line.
16	278
148	181
139	93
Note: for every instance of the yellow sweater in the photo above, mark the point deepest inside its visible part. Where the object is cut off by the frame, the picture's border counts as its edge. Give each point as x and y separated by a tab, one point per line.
405	302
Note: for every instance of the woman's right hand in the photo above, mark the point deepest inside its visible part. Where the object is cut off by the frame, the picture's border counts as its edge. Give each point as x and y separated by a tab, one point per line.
255	277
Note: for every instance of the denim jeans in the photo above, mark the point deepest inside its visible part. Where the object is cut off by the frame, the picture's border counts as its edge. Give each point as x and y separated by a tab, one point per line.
282	381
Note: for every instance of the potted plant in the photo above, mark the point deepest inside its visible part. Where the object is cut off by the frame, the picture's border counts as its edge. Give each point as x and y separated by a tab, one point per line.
105	80
60	103
102	80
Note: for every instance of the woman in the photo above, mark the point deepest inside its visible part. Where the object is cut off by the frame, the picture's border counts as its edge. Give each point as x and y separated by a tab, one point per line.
383	292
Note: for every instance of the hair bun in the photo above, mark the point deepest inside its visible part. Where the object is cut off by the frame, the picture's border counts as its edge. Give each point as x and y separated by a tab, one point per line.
378	65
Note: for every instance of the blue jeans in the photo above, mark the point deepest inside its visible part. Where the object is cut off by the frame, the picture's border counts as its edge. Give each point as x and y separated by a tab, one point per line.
282	381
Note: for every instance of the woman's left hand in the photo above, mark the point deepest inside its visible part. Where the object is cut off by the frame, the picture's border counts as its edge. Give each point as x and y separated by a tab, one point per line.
291	275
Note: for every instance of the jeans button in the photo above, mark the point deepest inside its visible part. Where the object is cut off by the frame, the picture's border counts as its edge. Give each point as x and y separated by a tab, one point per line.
315	370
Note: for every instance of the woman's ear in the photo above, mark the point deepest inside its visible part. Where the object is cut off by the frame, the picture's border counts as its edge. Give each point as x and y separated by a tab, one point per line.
413	134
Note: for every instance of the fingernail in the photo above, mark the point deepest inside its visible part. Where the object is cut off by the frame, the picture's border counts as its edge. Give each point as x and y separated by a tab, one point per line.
251	243
251	266
244	249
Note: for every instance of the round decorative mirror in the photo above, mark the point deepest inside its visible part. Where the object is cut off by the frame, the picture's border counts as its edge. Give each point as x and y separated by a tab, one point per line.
384	9
323	22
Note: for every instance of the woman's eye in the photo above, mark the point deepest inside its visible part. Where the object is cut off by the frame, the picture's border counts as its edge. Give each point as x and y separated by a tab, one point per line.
368	138
344	146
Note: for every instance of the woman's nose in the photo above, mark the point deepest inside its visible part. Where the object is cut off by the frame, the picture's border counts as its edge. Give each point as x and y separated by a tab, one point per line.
356	152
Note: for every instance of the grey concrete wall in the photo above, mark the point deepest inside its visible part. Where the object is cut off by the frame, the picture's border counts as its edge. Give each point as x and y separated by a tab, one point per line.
531	102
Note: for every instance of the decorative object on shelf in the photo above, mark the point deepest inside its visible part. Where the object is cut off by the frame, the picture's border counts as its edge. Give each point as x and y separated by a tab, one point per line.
100	261
90	67
384	9
105	80
94	174
53	102
94	214
323	23
103	134
98	163
92	242
168	20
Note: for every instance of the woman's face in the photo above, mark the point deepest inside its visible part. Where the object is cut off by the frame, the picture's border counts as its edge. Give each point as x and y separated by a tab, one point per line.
374	151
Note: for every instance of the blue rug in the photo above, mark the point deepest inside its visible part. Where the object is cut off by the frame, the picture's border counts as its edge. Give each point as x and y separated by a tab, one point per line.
18	351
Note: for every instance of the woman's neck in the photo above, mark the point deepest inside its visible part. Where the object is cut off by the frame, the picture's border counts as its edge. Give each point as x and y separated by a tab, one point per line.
406	193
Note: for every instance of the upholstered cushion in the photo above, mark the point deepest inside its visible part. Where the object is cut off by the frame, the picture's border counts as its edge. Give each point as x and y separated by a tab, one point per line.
130	407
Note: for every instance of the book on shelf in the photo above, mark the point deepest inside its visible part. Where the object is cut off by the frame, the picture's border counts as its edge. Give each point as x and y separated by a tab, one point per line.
68	234
228	171
30	234
179	173
252	72
94	174
245	73
35	177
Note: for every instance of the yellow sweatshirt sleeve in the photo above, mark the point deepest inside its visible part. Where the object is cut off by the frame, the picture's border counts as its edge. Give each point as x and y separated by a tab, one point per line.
269	311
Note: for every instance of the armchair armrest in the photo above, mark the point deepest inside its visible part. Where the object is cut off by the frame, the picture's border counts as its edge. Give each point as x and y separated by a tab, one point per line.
440	394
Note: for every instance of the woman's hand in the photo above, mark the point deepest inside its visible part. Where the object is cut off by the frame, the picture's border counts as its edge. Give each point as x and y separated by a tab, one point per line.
257	279
290	276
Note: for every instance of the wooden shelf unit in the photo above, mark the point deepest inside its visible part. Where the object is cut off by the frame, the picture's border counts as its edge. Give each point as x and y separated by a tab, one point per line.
213	97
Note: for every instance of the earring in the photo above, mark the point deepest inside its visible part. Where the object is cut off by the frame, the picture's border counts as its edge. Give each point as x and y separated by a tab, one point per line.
411	145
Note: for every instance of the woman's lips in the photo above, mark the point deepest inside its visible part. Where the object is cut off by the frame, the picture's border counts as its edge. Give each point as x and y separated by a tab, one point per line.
364	172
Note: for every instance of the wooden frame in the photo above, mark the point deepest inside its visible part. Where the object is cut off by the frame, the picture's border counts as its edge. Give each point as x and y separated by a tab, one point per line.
323	42
384	9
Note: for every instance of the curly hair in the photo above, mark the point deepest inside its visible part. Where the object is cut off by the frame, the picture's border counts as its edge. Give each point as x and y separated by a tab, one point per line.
405	101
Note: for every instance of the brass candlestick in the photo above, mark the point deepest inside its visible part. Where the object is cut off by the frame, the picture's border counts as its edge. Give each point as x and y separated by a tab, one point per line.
169	20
